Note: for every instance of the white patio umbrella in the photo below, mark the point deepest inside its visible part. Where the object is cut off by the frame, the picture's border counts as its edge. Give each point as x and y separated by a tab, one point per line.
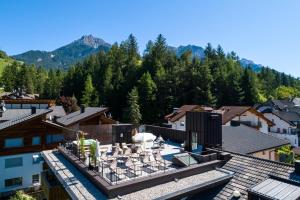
143	138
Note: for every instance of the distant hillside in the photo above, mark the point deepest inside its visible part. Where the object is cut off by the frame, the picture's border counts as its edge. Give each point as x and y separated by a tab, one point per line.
255	67
196	50
199	52
4	61
67	55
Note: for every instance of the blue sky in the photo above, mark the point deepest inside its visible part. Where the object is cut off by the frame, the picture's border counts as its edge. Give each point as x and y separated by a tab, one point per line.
267	32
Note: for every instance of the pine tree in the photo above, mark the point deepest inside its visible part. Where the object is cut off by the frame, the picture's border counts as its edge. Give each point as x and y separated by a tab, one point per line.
133	112
235	94
147	93
89	97
250	87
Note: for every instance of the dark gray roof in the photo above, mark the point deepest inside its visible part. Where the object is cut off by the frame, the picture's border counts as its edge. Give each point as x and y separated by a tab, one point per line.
23	118
245	140
287	116
248	172
276	189
57	111
77	116
281	104
10	114
13	113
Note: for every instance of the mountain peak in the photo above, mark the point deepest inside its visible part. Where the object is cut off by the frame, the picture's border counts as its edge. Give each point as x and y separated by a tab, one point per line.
91	41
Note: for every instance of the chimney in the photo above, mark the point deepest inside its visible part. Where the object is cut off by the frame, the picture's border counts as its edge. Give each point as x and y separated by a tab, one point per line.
82	109
33	110
175	110
54	119
297	167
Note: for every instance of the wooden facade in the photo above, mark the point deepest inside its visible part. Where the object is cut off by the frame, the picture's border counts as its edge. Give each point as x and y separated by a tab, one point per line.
208	127
97	127
27	130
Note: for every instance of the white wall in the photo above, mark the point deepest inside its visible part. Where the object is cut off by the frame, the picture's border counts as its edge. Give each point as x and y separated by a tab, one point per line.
176	125
26	171
266	154
254	119
279	123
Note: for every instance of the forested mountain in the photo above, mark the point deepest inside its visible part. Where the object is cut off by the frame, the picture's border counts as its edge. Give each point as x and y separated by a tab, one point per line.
249	63
80	49
65	56
144	87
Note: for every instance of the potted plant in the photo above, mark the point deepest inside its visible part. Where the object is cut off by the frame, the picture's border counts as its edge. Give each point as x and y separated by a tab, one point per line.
81	147
93	153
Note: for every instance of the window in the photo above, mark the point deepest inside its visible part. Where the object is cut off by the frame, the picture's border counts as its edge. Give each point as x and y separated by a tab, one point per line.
13	162
26	106
35	178
13	182
13	142
54	138
16	106
284	130
36	140
182	123
278	130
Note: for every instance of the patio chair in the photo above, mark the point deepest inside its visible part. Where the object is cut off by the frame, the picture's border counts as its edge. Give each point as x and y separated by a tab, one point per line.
145	159
153	163
117	170
159	159
134	167
127	152
138	150
124	145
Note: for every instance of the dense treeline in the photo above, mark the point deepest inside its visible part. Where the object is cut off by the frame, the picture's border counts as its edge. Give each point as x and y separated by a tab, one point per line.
150	85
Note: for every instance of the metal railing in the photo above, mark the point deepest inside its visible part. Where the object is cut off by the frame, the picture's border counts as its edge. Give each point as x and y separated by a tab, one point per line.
119	174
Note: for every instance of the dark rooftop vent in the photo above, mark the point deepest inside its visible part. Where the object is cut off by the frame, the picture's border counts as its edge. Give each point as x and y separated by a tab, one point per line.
82	109
54	119
175	110
33	110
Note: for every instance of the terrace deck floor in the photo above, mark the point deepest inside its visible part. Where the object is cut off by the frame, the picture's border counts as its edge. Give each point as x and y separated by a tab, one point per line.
76	184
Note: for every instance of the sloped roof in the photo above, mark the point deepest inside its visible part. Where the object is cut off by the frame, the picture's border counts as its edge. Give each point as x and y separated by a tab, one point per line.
281	104
230	112
287	116
57	111
245	140
23	118
10	114
77	116
248	172
13	113
180	112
